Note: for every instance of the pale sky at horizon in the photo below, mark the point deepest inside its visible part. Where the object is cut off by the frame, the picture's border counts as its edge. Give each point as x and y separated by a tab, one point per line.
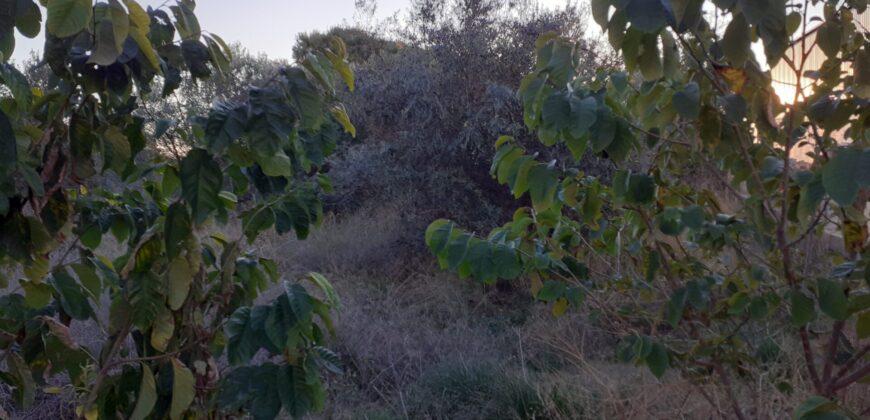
265	26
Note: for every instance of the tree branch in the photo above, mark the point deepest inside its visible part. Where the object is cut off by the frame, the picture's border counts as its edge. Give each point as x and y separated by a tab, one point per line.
810	360
831	353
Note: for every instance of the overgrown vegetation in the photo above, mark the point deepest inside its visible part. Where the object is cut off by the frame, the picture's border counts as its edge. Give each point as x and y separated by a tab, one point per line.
436	97
180	294
714	296
670	216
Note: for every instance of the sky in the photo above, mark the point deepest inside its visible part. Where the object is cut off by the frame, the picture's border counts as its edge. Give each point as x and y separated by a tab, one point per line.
267	26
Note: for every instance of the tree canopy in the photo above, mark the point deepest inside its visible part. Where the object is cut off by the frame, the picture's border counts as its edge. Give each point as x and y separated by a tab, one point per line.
154	248
705	269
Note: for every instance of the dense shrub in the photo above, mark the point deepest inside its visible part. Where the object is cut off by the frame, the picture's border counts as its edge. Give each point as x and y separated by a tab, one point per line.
362	44
428	113
475	391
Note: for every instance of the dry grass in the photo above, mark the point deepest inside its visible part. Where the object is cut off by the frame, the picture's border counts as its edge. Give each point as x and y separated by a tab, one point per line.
420	344
414	340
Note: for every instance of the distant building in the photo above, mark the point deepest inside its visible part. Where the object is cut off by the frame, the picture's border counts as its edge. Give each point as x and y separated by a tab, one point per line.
785	81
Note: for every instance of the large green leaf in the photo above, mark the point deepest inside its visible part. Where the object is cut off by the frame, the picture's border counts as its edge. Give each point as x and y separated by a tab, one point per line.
146	298
241	341
829	36
556	112
28	18
226	123
543	182
641	189
624	141
147	395
293	390
737	41
803	309
8	145
812	193
7	32
688	101
24	390
438	234
300	301
196	57
18	84
201	182
676	307
72	297
816	408
658	360
603	132
687	14
556	58
647	15
116	150
89	278
256	220
600	11
177	229
266	401
106	49
120	23
180	277
650	58
584	113
68	17
183	390
275	164
848	170
479	260
305	98
328	291
551	291
832	299
255	388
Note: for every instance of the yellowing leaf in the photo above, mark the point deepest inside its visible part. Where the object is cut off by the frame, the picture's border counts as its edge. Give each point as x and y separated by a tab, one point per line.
183	391
162	330
140	26
338	57
147	395
735	77
36	295
854	236
61	332
341	116
37	269
180	277
92	413
560	307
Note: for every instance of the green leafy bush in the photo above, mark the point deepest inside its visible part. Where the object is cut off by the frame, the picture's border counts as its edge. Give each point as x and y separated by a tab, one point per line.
699	285
178	291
